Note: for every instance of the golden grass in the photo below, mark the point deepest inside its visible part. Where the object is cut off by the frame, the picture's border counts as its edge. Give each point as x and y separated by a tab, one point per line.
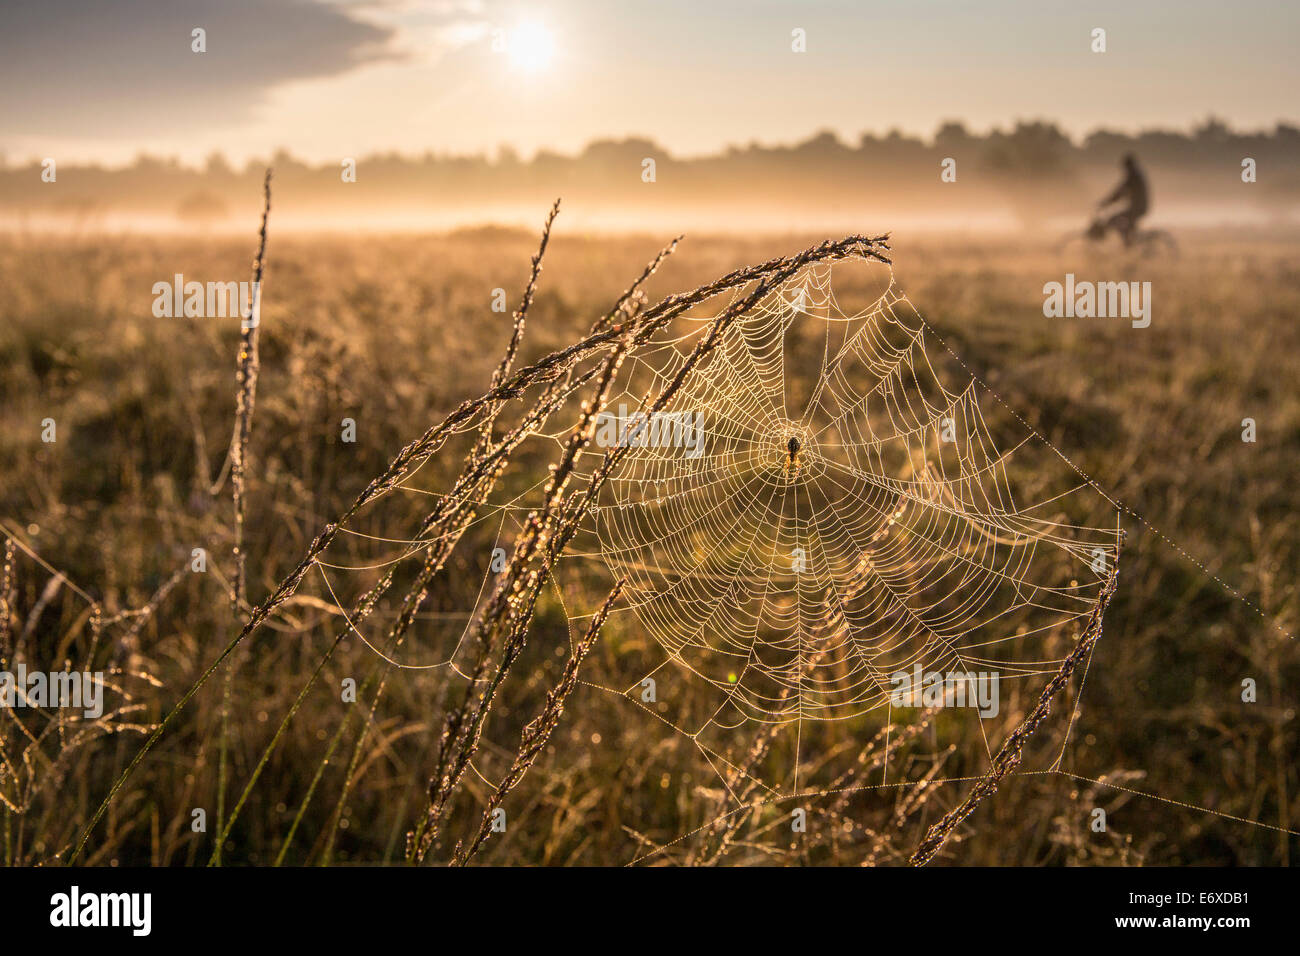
397	333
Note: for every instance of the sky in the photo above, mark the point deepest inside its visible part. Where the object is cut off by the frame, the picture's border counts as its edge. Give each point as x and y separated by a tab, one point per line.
107	80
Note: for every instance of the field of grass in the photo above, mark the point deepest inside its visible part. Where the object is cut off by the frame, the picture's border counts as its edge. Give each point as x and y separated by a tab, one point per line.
394	332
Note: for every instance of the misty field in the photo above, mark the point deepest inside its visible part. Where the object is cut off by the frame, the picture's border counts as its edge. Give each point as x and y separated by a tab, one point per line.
393	333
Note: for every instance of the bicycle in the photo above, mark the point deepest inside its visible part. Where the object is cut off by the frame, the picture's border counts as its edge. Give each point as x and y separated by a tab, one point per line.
1146	241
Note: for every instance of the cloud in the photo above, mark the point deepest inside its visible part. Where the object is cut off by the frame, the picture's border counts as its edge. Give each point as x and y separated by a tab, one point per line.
94	68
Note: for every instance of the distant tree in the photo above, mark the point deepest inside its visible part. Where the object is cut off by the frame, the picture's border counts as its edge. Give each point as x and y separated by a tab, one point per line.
825	143
1031	149
216	167
952	137
1213	130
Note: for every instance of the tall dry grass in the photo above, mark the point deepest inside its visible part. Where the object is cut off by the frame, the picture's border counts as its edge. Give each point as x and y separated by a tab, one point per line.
429	756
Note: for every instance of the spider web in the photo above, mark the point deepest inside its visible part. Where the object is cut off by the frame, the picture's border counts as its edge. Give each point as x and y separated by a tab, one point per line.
894	535
819	512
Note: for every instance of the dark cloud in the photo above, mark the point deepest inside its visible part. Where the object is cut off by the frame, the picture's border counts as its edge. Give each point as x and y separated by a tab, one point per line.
100	67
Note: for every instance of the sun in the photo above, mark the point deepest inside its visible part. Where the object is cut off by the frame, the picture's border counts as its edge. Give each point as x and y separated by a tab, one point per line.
530	46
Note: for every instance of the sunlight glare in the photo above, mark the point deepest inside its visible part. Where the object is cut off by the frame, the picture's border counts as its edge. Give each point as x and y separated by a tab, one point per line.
531	46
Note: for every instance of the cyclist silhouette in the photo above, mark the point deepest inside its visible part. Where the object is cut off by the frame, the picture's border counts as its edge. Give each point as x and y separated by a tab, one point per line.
1136	197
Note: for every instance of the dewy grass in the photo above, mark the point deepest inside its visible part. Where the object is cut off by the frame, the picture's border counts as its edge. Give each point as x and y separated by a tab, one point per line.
247	368
734	819
505	620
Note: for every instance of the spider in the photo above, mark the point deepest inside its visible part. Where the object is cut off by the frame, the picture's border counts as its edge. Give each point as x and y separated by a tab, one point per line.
792	460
